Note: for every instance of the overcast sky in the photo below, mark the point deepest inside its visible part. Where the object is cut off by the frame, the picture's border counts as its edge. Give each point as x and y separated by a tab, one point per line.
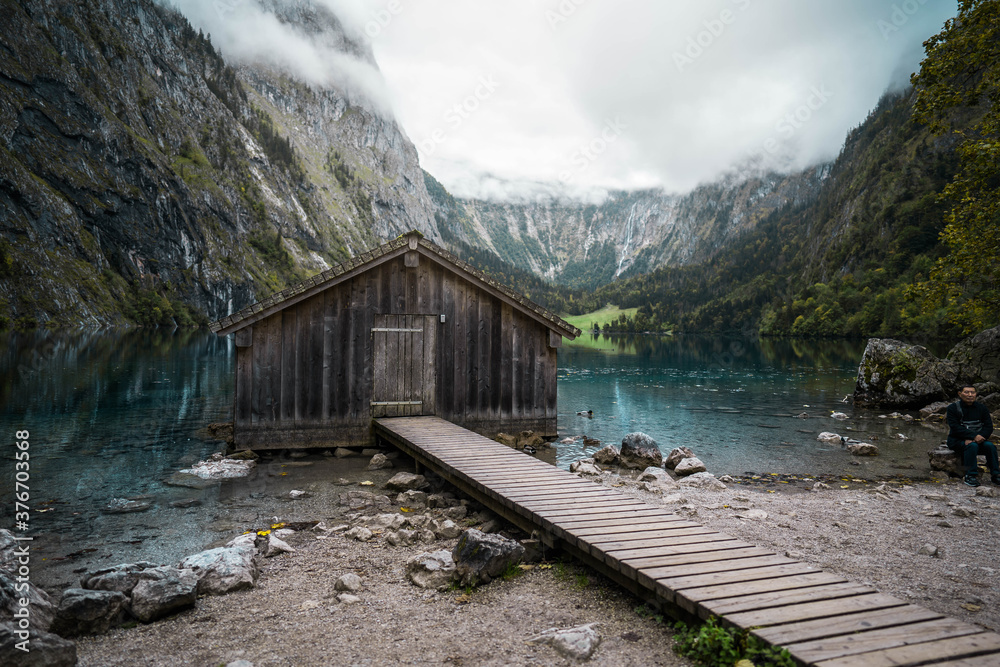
502	97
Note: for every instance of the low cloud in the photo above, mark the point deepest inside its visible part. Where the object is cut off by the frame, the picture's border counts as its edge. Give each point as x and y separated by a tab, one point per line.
273	33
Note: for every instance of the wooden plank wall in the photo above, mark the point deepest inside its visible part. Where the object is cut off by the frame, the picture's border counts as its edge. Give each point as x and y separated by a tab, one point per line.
306	379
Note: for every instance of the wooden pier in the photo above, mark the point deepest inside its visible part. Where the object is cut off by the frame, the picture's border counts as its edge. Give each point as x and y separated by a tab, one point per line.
821	618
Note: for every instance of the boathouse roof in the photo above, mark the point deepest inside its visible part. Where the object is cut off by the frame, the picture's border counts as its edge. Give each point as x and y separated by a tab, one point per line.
410	241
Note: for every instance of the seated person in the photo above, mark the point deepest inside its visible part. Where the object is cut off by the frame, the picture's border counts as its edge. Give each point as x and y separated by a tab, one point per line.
969	427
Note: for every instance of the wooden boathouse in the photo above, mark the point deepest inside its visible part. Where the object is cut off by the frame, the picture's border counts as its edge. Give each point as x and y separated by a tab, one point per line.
404	329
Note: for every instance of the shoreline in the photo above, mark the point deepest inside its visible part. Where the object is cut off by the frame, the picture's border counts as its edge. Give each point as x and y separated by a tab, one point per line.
871	533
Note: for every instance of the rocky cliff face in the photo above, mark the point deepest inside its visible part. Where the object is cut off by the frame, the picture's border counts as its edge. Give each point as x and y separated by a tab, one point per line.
142	178
628	233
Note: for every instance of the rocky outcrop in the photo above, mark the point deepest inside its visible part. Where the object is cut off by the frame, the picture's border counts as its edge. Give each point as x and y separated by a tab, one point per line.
46	649
223	569
894	374
899	375
138	160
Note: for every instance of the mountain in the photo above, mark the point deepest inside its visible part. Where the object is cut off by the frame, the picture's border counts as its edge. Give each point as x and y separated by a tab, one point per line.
586	245
144	179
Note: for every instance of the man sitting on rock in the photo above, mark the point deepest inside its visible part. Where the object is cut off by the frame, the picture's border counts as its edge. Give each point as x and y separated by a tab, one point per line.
969	426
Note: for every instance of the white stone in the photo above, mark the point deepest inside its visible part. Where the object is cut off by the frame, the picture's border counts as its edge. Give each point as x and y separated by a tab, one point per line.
359	533
276	546
349	582
689	466
703	480
295	493
577	643
830	438
221	469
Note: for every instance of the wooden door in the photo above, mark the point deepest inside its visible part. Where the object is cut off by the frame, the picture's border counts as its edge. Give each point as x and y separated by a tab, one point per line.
404	377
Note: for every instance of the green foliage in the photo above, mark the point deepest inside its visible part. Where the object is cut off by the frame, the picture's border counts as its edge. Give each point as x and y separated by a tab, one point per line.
149	307
714	646
272	251
961	77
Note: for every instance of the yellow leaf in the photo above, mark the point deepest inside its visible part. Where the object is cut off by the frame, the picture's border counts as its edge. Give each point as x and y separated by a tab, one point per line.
405	509
525	566
276	526
544	566
845	486
970	607
770	490
367	483
263	533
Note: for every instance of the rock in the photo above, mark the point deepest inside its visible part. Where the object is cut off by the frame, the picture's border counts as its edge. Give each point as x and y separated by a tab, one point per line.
434	570
689	466
943	458
349	582
456	513
41	610
295	493
530	439
121	578
343	452
640	451
387	521
756	515
930	550
426	536
404	481
416	520
379	461
490	526
581	468
676	455
162	591
45	649
359	533
988	491
577	643
534	550
898	375
244	455
829	438
125	506
224	569
89	612
480	557
609	455
9	549
840	416
358	500
862	449
507	439
413	499
653	474
935	409
347	598
446	530
820	486
977	359
239	663
221	469
276	546
703	480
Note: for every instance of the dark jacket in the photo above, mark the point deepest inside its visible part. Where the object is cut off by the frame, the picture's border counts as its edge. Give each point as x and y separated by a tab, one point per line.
965	422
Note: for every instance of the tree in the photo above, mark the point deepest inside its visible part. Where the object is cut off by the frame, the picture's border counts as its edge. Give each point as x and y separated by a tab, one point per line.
958	95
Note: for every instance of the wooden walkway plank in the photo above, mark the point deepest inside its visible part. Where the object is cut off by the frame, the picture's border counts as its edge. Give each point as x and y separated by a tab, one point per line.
875	640
860	622
985	644
821	618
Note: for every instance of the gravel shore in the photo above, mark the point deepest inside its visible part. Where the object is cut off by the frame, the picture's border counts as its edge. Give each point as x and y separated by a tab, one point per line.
869	532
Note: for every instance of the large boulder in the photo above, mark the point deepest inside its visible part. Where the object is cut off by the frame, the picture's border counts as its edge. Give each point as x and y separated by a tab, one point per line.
862	449
162	591
977	358
223	569
40	611
45	649
899	375
434	570
121	578
88	612
640	451
481	557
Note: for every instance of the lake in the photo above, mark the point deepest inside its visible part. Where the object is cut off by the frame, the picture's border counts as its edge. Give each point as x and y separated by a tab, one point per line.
115	415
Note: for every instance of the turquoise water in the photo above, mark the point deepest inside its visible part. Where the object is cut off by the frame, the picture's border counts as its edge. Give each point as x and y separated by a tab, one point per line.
735	401
115	415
